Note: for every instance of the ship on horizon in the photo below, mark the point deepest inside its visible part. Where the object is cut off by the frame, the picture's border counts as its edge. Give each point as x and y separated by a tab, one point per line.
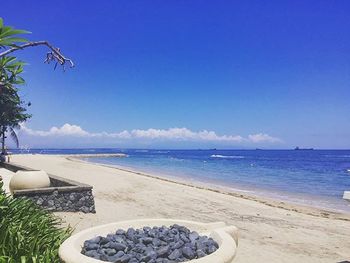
303	149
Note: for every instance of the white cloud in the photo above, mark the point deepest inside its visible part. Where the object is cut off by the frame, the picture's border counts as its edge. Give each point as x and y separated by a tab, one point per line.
64	130
183	134
262	137
171	134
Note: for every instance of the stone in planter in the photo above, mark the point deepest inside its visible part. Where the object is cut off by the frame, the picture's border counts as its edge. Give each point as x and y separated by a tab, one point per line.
225	236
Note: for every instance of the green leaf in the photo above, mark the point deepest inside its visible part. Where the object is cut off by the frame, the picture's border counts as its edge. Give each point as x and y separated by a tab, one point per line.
5	42
12	32
11	41
18	64
20	80
8	35
5	29
9	59
17	39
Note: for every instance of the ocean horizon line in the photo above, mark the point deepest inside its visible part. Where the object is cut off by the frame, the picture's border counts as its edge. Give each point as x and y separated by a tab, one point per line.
182	149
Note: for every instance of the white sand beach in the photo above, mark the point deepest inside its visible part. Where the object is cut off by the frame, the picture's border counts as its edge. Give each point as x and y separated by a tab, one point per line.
270	231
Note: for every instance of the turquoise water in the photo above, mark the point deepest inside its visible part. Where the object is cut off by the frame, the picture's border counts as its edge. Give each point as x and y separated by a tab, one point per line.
316	177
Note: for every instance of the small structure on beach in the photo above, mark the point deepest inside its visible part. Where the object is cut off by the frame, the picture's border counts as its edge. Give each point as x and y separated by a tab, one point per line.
346	196
22	180
61	195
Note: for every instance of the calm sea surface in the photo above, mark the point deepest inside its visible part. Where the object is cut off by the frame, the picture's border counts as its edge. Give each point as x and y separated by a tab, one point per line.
317	178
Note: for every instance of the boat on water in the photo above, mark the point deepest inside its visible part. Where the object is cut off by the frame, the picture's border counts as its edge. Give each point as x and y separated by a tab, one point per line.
303	149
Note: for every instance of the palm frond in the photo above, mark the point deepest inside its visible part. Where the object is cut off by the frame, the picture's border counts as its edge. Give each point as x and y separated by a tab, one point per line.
14	136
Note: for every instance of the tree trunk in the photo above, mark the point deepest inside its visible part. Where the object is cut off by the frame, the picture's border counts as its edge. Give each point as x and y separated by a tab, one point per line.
3	129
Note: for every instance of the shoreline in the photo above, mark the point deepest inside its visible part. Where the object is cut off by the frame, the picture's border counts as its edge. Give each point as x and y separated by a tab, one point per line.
272	202
265	194
269	231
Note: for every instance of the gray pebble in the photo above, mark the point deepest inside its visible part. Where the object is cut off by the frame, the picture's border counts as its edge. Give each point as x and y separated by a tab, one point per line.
150	245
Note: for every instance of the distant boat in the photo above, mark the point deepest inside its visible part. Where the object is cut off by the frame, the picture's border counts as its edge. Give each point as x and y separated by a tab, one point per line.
303	149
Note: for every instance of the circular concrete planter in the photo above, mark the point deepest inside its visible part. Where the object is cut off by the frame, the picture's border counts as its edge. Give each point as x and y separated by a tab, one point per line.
226	236
29	180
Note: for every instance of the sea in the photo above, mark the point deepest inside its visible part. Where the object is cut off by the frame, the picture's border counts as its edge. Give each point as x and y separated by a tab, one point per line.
314	178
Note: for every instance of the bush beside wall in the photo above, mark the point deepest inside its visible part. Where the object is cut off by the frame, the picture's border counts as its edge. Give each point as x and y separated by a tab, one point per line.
28	233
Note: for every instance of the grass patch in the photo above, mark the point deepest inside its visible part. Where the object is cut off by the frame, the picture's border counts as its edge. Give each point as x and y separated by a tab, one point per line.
28	233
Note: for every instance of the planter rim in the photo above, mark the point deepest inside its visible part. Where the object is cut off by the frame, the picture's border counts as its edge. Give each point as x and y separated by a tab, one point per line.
226	236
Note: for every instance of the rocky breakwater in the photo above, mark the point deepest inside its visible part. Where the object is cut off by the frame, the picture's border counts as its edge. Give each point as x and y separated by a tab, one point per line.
153	245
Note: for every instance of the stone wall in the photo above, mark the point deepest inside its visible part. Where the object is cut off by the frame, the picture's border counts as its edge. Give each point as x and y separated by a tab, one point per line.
71	201
62	195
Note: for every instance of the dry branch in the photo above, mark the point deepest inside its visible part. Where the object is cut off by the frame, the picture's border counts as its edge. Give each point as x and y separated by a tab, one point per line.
54	55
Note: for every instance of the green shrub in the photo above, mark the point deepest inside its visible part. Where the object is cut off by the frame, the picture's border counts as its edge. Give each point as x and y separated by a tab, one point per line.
28	234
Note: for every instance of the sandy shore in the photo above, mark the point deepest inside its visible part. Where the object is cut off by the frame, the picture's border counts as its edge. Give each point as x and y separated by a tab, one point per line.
269	231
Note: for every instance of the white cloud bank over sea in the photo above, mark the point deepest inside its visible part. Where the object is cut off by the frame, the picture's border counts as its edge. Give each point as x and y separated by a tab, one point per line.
74	133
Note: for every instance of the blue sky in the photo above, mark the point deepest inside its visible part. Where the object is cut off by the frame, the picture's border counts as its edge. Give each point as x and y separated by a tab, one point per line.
271	74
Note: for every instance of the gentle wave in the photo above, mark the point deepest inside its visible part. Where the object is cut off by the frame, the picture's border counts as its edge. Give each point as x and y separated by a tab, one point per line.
337	156
227	156
176	159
